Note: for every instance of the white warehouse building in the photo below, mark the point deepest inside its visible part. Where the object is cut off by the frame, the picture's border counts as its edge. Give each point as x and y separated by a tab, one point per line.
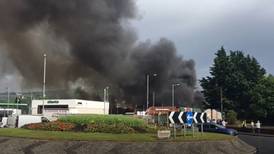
69	106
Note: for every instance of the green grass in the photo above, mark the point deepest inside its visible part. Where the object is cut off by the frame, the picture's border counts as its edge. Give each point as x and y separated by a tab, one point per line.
104	119
138	137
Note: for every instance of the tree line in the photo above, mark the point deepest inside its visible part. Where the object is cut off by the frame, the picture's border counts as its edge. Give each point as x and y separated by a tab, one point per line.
242	84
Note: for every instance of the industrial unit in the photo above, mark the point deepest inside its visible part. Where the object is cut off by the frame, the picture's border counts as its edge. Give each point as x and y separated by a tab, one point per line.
69	106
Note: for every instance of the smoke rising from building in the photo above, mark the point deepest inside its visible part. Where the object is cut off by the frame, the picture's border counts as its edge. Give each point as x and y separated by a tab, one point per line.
90	44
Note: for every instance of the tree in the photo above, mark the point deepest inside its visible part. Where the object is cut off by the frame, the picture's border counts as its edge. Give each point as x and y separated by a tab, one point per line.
231	117
213	84
235	75
262	105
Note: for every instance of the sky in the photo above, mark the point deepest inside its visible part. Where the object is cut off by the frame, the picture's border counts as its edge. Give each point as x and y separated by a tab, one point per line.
199	28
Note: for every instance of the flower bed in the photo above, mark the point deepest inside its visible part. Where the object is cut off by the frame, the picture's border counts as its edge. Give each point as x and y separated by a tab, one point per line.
53	126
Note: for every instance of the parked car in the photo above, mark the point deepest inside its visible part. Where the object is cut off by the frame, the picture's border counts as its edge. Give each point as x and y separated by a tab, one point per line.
215	128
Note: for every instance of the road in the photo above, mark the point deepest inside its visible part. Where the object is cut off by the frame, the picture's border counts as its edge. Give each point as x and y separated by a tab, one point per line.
10	145
264	144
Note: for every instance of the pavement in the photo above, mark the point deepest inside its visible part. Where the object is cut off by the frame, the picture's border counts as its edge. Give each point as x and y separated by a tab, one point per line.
266	130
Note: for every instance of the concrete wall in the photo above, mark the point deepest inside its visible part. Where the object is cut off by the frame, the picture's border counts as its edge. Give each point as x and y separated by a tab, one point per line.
75	106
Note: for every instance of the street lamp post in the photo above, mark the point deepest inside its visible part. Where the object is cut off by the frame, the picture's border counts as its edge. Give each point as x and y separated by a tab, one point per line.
147	90
173	91
147	77
8	96
17	101
221	99
105	93
30	105
44	84
105	98
153	98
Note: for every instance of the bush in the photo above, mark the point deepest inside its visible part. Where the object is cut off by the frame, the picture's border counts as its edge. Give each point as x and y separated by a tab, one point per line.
103	128
231	117
103	119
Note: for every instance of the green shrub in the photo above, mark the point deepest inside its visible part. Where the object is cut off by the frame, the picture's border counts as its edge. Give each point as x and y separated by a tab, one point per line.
231	117
103	119
103	128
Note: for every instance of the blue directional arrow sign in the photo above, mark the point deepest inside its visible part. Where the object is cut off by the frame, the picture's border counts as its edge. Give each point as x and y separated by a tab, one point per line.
189	118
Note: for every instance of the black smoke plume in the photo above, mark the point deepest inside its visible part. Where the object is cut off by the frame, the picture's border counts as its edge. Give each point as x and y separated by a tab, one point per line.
90	44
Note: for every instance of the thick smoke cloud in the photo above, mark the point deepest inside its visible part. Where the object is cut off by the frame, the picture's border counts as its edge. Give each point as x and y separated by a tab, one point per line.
90	45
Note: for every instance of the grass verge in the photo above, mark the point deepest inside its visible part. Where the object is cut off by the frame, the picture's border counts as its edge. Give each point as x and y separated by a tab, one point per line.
79	136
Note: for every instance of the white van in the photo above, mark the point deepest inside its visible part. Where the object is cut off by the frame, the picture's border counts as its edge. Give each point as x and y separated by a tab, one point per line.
21	120
28	119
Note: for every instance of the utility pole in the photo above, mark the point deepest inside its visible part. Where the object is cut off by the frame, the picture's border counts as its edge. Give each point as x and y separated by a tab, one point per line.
44	84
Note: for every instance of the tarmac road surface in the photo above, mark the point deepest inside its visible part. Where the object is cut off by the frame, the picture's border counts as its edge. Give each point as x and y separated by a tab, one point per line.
10	145
264	144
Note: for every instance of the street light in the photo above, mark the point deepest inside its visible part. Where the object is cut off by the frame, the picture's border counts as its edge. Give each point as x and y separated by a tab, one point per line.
106	99
172	92
148	87
153	98
221	99
8	97
44	84
154	93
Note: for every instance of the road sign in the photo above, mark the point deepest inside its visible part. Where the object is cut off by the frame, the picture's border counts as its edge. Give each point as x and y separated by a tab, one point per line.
181	117
187	117
171	117
201	118
174	117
